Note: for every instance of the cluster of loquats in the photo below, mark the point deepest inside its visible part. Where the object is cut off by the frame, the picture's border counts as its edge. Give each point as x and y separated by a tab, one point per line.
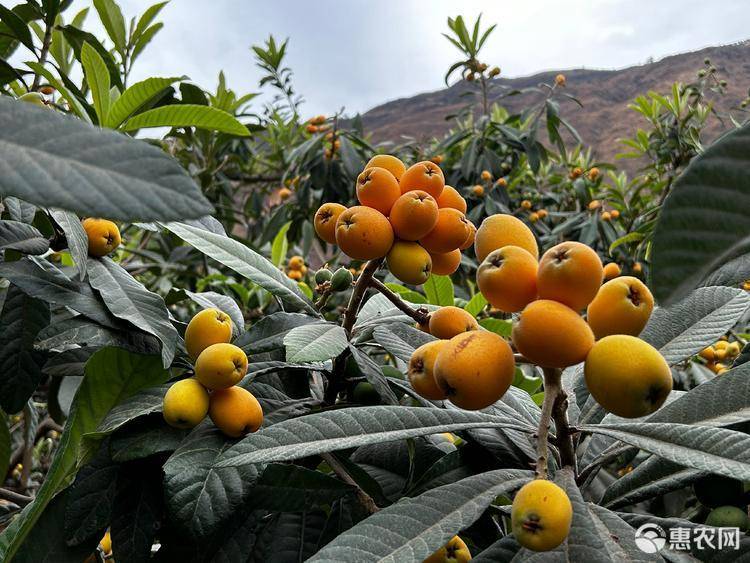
407	216
103	235
474	368
213	391
296	268
720	355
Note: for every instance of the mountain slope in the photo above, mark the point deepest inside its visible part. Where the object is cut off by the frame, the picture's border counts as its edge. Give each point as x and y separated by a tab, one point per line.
604	93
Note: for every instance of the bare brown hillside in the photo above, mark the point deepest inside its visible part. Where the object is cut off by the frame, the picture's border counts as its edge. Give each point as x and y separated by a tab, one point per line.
604	93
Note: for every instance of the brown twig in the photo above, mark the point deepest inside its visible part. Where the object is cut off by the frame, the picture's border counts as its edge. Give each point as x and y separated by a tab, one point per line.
339	469
421	315
542	438
360	288
335	380
17	498
46	41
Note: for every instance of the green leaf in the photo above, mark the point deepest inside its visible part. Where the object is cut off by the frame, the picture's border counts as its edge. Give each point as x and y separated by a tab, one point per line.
475	304
280	245
145	20
111	376
406	293
348	428
685	328
502	327
201	496
414	528
703	220
246	262
111	16
137	513
630	237
135	97
97	78
42	280
75	236
187	115
269	332
22	237
145	39
315	342
90	498
53	160
77	37
291	488
18	26
726	452
21	320
439	290
127	299
401	340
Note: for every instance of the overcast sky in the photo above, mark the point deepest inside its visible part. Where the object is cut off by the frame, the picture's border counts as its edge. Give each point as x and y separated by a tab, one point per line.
358	53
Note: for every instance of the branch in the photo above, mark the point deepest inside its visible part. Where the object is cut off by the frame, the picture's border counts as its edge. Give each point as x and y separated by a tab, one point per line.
350	317
339	469
17	498
43	55
360	288
421	315
555	408
542	444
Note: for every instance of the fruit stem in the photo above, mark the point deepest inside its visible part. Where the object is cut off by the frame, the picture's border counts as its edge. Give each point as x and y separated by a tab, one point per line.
360	288
555	407
339	469
336	379
421	315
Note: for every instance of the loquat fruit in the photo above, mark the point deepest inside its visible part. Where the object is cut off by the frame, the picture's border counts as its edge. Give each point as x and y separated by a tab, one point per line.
455	551
627	376
449	233
470	237
594	174
570	273
364	233
542	213
606	217
501	183
449	321
207	327
615	214
533	217
421	370
220	366
295	275
377	188
389	162
486	175
474	369
507	278
541	515
425	176
552	335
235	411
325	221
105	544
296	263
185	403
560	80
478	190
103	236
637	268
413	215
611	271
622	306
446	263
501	230
594	204
526	204
450	197
409	262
